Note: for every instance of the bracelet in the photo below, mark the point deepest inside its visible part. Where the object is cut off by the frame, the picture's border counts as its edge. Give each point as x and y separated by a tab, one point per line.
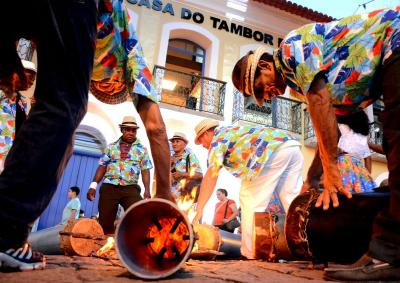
93	185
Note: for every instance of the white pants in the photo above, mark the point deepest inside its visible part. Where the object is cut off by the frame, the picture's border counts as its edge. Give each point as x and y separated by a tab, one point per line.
282	172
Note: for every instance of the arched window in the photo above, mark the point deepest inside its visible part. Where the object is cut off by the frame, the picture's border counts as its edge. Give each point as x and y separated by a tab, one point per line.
185	56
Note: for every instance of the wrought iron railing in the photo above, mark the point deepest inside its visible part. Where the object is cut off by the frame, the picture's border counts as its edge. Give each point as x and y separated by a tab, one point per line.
189	90
308	127
280	112
375	130
25	49
238	106
376	133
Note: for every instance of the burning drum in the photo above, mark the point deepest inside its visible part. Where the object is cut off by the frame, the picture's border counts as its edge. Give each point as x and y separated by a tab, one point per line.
154	238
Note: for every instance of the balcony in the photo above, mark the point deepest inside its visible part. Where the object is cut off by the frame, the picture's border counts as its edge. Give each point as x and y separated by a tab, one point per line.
189	91
309	135
280	112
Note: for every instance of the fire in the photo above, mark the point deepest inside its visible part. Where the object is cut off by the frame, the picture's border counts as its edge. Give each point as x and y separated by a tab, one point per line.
186	203
107	247
192	172
168	238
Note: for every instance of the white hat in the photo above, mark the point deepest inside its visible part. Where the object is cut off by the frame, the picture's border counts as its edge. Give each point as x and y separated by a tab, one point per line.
203	126
29	65
129	122
179	136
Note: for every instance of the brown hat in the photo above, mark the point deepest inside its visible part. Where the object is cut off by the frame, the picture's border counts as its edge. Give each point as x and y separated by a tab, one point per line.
179	136
203	126
243	74
129	122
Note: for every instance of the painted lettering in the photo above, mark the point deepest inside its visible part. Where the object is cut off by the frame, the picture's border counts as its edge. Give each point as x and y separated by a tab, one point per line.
268	39
198	18
157	5
186	14
236	29
215	21
247	32
169	9
258	35
144	3
223	25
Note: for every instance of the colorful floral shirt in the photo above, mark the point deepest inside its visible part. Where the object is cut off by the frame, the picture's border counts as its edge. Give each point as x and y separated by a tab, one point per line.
243	150
8	110
347	51
119	66
180	166
124	172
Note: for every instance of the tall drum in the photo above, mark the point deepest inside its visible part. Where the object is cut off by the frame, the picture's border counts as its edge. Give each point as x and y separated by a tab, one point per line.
339	234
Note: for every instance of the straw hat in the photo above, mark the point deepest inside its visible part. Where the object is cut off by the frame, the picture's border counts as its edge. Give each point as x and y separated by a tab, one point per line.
129	122
179	136
29	65
203	126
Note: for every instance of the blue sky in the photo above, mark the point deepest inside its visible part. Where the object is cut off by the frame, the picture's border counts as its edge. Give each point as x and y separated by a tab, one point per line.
342	8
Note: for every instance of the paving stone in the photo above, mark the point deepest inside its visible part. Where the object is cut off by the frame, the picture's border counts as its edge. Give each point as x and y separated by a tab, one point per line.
64	269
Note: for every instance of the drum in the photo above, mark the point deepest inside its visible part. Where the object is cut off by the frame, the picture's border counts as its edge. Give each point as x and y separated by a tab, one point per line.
78	237
212	242
339	234
269	237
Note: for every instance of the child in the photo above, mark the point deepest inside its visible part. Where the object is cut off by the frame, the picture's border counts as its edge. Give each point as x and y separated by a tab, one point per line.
353	150
71	210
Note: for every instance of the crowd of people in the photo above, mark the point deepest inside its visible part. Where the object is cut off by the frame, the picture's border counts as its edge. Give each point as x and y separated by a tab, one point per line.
336	73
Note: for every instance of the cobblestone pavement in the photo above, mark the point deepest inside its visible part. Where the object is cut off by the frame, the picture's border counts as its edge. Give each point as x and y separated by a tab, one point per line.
62	269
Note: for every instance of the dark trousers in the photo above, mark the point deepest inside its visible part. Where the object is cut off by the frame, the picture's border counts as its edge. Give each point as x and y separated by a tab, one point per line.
385	244
65	33
110	197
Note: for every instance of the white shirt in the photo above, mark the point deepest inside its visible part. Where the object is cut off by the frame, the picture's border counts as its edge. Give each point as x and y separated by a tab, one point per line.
353	143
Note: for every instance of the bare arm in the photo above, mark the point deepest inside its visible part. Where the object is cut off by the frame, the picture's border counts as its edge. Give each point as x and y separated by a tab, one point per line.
146	182
314	174
178	175
98	176
206	189
72	216
377	148
150	113
325	125
235	212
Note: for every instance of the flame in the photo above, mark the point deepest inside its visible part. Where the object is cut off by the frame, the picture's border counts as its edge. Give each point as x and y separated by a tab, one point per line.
195	247
107	247
182	183
192	172
168	238
185	203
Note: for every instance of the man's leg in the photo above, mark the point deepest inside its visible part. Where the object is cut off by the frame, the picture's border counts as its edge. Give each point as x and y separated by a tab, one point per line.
108	206
383	259
291	180
255	195
130	195
65	34
385	244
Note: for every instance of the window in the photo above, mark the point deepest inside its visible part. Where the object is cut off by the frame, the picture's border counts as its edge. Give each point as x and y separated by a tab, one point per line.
185	56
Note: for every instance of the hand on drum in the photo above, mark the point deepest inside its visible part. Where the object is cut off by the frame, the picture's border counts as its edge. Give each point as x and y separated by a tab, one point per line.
308	185
332	186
